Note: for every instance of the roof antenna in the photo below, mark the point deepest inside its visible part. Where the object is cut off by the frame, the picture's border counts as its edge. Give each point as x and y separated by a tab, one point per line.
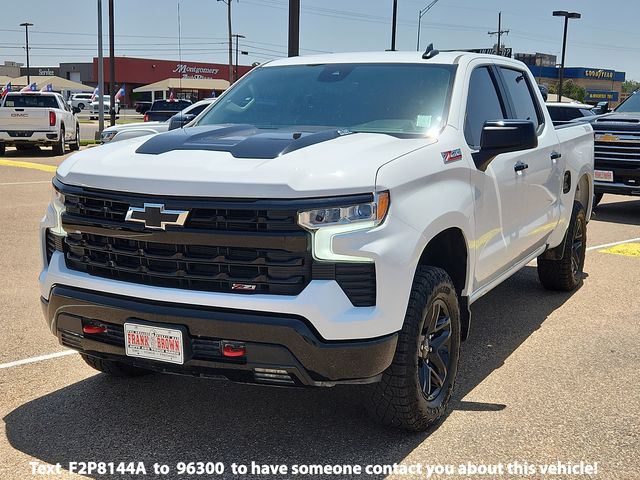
430	52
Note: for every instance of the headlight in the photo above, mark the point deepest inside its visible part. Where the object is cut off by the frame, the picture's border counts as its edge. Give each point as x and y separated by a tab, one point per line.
57	202
325	223
107	136
372	212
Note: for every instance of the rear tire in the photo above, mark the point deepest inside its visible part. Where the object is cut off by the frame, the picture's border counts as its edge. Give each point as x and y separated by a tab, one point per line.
60	147
75	146
3	149
415	390
81	106
566	274
113	368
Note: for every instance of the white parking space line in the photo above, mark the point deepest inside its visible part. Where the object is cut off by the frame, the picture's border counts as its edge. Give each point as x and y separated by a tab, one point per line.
613	244
25	183
41	358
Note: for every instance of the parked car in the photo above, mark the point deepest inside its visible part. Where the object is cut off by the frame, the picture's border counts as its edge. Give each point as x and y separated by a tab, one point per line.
142	106
80	100
162	110
95	108
38	119
565	112
189	114
308	229
131	130
617	149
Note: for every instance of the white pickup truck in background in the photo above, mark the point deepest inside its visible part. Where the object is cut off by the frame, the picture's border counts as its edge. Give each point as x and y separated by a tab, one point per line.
38	119
330	219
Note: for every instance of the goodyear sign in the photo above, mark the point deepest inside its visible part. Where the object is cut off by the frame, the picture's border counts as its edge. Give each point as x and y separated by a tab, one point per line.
601	96
599	74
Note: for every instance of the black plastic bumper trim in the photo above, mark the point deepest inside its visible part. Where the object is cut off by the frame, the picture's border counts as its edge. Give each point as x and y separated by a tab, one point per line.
273	340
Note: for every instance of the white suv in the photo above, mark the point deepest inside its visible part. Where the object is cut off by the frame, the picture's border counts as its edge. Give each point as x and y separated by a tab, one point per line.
80	100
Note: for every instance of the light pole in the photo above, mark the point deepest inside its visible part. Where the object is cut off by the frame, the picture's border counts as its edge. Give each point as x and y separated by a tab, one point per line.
100	71
228	3
235	72
26	26
294	28
567	16
421	14
394	21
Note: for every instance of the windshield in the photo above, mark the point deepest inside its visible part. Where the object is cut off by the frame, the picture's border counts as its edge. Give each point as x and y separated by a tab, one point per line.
31	101
632	104
381	98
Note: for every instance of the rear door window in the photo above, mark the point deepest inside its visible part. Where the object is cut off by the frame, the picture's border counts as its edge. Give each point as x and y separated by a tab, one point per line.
524	105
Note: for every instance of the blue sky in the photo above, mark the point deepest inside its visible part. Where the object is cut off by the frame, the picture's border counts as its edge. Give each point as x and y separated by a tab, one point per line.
606	37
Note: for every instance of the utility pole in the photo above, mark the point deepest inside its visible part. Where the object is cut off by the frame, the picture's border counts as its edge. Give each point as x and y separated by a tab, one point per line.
421	14
235	73
112	68
294	28
567	16
394	21
228	4
499	33
26	26
100	72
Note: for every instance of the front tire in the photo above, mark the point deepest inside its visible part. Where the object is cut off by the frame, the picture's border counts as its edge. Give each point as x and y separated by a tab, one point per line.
113	368
566	274
60	147
81	106
3	149
415	390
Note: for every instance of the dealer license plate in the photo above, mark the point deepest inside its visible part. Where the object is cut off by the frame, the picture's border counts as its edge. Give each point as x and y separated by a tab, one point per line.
153	343
603	175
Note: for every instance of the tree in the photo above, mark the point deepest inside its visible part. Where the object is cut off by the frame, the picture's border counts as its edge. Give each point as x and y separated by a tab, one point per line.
630	86
570	90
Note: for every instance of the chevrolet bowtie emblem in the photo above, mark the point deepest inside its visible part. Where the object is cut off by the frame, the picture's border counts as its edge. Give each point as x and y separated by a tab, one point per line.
153	215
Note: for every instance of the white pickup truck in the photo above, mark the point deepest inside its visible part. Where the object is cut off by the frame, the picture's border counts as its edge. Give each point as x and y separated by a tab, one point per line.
40	119
330	219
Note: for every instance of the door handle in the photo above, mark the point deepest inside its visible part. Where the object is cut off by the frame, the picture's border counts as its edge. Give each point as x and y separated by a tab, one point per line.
555	155
518	167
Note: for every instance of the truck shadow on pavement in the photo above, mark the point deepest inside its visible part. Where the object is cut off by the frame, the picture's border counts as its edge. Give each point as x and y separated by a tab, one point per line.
625	212
169	419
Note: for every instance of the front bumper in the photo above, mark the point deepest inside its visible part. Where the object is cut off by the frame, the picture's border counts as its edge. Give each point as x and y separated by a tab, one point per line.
274	342
617	188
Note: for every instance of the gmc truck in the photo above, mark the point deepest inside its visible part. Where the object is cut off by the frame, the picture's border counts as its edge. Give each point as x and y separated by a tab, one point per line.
617	150
38	119
329	220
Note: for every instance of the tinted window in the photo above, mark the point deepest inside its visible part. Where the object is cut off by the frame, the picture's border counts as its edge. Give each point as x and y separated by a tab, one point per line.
381	98
586	113
483	104
197	110
631	104
167	105
518	87
31	100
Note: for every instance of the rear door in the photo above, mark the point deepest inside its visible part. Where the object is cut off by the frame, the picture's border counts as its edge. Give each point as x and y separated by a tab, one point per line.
540	177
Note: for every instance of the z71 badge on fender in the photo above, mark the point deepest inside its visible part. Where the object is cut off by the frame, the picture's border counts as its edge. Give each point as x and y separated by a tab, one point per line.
452	155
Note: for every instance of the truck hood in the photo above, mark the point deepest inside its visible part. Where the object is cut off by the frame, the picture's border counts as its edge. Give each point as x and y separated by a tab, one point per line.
239	161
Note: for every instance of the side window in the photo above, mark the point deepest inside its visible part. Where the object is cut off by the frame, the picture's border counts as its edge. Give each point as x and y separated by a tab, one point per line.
483	104
525	106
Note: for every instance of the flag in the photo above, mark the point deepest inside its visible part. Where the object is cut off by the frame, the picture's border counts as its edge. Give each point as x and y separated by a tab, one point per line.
172	97
30	88
96	92
47	88
121	93
5	90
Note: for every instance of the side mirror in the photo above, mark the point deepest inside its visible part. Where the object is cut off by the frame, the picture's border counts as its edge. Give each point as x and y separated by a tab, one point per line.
76	110
504	136
179	121
601	107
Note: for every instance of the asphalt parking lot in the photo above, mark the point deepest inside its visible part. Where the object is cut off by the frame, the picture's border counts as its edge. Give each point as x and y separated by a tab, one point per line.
544	377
